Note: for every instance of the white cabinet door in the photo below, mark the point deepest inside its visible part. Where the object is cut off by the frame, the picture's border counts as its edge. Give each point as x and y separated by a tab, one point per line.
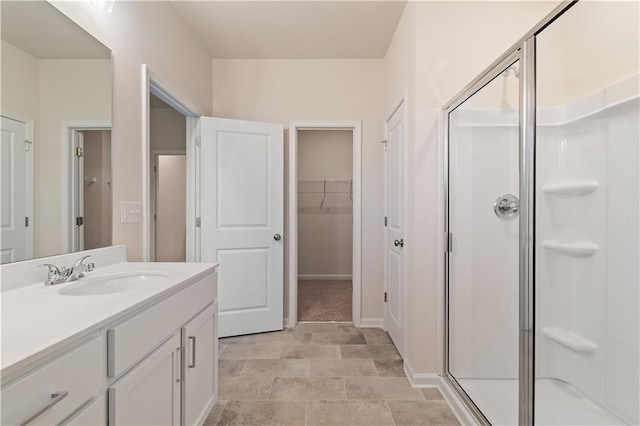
395	221
15	183
241	189
200	339
150	393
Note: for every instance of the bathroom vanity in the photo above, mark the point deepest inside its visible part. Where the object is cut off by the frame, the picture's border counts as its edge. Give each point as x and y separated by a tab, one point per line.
129	343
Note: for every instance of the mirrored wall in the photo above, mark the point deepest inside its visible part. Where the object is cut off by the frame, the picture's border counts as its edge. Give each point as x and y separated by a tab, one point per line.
543	189
55	154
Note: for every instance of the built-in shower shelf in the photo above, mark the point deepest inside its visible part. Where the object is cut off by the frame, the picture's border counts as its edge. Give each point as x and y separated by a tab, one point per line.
573	189
569	339
576	248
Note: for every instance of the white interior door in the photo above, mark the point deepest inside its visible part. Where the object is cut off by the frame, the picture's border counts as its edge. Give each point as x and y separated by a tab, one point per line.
395	221
241	211
14	184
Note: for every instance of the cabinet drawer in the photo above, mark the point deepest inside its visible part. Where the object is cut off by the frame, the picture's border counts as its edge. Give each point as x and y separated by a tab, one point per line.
131	340
78	373
92	415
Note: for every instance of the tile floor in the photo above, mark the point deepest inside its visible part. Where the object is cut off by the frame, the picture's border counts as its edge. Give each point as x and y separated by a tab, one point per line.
320	374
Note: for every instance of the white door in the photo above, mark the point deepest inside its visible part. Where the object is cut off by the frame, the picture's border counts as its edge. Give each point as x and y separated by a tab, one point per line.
395	227
15	182
242	220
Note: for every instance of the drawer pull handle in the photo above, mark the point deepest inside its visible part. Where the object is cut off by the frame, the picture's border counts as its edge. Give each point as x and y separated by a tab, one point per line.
55	398
193	351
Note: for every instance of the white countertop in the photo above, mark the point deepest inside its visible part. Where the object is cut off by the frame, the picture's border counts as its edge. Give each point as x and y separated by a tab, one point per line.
37	320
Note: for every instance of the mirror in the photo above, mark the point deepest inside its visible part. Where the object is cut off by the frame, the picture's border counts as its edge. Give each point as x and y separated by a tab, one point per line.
55	154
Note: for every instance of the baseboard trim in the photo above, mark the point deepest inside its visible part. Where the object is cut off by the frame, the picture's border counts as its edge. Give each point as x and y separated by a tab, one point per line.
331	277
285	323
420	380
456	404
371	323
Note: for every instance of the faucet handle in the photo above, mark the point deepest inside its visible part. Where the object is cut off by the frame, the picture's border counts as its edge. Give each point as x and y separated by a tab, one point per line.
81	260
53	272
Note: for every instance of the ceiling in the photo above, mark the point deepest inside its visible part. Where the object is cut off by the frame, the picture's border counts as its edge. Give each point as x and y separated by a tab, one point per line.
39	29
293	29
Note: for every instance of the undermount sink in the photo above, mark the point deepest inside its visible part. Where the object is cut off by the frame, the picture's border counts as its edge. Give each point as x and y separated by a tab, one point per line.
113	283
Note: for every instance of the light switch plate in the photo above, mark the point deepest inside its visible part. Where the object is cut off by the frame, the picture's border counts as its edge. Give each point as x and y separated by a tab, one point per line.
130	212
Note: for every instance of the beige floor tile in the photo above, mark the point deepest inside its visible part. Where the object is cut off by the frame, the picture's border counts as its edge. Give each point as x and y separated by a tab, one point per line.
311	351
306	388
214	415
348	328
432	394
230	367
248	339
348	413
422	413
381	388
343	367
254	351
378	339
286	336
316	327
373	331
263	413
390	367
338	338
244	388
277	367
369	352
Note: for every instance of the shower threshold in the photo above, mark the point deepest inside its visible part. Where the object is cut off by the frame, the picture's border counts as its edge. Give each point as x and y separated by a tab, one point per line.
557	403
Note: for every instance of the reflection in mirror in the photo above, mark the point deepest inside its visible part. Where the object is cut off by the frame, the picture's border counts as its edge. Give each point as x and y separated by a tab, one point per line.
55	153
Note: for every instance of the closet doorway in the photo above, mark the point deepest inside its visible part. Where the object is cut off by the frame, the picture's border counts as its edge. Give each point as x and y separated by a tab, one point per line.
324	222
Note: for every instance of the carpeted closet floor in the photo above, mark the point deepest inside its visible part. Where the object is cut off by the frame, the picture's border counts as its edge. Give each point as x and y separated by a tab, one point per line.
324	300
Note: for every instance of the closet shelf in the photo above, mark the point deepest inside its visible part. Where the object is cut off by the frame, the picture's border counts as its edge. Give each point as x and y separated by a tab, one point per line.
576	249
573	189
569	339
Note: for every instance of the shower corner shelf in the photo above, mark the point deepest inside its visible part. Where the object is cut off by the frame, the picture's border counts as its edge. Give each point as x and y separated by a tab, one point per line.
576	249
569	339
573	189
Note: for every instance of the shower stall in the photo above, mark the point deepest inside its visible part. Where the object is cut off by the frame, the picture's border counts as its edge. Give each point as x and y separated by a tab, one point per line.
543	225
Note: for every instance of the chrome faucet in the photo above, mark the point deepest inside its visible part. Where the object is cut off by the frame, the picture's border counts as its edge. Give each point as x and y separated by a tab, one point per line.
58	275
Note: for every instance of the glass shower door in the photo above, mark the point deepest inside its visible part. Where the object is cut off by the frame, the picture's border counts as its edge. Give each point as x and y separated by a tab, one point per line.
483	275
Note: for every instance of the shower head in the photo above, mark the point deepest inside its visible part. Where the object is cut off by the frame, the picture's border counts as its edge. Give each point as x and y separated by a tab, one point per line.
514	68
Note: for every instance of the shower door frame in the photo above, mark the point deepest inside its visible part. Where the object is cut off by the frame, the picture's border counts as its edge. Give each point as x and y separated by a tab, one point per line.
524	52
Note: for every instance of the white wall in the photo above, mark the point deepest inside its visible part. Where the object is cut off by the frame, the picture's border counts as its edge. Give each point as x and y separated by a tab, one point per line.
142	33
20	94
284	90
168	129
452	45
171	243
325	236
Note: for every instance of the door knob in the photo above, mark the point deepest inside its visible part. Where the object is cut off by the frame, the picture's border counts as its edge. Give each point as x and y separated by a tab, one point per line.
277	237
399	243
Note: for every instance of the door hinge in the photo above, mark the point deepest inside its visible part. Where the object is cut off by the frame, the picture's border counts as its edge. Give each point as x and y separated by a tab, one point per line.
79	220
197	222
448	242
198	143
79	151
155	169
26	221
27	145
385	297
155	216
385	144
386	221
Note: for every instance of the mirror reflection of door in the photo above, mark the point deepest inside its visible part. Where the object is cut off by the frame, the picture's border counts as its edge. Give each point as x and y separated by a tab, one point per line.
93	217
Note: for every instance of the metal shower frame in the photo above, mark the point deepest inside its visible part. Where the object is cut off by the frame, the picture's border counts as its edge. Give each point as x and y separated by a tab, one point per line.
523	52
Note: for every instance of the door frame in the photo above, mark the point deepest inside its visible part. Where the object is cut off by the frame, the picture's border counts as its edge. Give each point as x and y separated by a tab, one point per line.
154	196
29	207
292	238
70	189
401	105
152	83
